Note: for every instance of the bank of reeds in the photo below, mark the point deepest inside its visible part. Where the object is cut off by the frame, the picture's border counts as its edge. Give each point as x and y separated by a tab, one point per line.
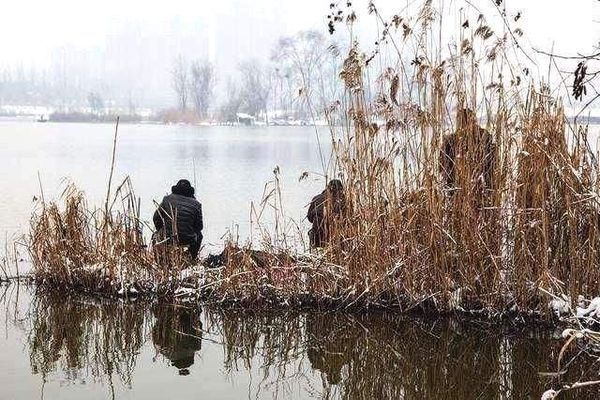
77	247
518	214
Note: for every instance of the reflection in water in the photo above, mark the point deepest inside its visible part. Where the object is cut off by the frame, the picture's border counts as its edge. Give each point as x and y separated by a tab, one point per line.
329	345
384	356
177	335
86	339
323	355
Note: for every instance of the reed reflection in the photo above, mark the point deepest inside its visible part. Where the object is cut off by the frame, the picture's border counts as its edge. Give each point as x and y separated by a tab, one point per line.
273	339
84	338
322	355
385	356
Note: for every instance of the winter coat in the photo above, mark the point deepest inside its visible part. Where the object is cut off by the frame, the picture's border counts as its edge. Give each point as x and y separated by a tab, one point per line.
322	208
180	218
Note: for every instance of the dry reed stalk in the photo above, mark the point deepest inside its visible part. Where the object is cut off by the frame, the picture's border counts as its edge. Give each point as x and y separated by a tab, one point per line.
10	259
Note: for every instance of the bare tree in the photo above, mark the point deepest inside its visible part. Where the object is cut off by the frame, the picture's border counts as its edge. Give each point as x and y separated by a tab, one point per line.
233	102
95	102
304	55
256	86
283	87
180	82
202	85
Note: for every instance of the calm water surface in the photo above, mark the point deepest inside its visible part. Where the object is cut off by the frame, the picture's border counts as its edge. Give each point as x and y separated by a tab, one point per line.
230	165
73	348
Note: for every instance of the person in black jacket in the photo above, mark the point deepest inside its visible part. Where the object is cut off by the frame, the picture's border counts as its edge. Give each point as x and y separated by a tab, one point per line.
323	210
179	218
471	150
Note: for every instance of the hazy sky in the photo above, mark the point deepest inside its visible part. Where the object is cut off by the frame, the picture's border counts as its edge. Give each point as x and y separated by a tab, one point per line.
30	28
127	47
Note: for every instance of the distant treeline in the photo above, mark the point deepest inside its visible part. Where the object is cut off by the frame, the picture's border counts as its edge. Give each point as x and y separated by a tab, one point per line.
89	117
298	82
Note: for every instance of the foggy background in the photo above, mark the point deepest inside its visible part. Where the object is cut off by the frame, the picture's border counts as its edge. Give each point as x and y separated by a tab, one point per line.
62	54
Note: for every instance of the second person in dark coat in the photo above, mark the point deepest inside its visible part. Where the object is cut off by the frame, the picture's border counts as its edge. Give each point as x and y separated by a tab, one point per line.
322	212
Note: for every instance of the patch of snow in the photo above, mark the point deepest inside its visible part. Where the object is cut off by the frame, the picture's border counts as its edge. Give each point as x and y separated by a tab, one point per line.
592	310
560	305
567	333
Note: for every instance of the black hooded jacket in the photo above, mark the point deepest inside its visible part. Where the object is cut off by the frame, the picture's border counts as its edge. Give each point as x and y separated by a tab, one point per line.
179	217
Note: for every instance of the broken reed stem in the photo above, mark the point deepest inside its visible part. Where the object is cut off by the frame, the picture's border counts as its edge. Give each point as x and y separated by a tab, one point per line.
112	166
16	260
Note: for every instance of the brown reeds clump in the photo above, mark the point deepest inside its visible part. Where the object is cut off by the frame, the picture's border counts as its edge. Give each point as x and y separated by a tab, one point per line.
99	250
517	210
465	189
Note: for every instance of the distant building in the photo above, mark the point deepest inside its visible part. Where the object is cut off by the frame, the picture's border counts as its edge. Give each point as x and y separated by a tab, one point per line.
245	119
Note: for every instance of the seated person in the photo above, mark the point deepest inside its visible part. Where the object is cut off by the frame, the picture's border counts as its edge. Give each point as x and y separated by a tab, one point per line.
179	218
470	149
323	209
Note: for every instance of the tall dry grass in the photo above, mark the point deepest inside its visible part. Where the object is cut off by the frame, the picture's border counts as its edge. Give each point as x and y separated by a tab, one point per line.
519	215
76	247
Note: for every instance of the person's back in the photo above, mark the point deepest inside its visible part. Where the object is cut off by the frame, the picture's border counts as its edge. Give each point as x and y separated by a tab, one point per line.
470	149
179	217
315	216
323	208
447	161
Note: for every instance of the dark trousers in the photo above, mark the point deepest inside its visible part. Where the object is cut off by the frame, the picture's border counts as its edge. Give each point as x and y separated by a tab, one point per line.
194	248
316	237
192	244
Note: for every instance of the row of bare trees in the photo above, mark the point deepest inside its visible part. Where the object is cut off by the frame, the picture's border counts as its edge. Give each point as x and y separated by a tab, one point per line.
298	81
195	81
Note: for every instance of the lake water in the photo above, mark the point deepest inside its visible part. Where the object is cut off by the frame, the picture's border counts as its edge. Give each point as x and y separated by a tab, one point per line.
72	348
230	166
